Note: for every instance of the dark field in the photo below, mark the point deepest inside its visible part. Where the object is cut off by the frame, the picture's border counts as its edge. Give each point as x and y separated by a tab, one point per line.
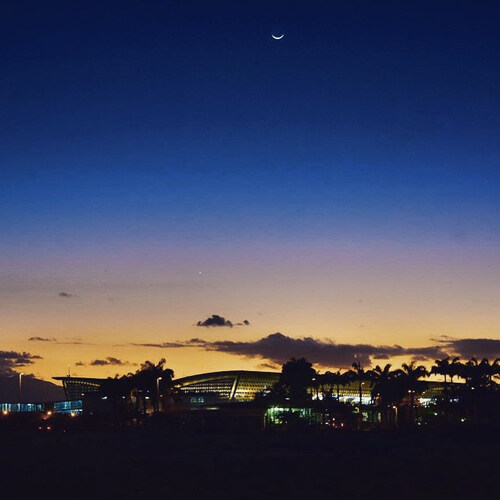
154	464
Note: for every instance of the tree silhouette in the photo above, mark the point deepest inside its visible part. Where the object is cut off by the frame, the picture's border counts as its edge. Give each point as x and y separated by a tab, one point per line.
386	390
149	383
359	375
334	380
442	367
152	381
297	376
445	368
410	381
117	392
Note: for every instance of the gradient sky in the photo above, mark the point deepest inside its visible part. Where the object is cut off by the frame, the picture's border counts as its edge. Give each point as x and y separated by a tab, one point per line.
161	162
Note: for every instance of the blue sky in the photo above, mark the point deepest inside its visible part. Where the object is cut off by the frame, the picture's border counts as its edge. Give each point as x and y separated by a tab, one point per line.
184	128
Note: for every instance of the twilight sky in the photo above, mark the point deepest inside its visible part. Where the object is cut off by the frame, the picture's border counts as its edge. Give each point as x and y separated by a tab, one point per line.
165	161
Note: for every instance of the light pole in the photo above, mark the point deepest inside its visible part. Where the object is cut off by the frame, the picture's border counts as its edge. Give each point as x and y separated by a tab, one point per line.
158	393
20	388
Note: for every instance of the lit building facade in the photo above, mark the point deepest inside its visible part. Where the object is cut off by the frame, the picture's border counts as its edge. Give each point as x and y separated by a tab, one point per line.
227	386
21	407
77	387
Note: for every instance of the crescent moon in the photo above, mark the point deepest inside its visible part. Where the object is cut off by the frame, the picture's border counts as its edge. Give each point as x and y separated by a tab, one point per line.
278	37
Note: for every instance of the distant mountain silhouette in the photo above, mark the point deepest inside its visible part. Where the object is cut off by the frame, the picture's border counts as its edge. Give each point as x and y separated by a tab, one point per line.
33	390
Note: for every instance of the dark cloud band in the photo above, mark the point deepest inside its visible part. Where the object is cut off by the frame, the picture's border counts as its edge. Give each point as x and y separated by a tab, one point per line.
278	349
10	360
108	361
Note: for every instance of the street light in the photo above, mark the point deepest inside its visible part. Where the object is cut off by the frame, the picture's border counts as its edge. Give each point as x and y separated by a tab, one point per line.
20	388
158	393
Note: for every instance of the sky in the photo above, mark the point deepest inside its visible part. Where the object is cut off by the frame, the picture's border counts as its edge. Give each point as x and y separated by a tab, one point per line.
163	165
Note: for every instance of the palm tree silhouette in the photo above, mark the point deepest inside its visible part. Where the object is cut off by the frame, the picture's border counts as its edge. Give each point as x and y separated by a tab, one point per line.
117	391
442	367
153	380
340	379
358	374
410	378
386	391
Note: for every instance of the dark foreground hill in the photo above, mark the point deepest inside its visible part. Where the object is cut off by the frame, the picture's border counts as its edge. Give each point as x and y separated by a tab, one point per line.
156	464
33	390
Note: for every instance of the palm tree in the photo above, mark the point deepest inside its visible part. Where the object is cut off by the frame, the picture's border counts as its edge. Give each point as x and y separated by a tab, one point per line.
385	390
487	371
324	384
410	378
469	372
358	374
117	393
495	368
442	367
454	369
152	380
340	379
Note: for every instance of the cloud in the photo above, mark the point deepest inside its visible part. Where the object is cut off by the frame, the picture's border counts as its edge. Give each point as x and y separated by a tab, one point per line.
165	344
10	360
381	356
269	366
108	361
216	320
42	339
76	342
471	348
419	357
67	295
278	349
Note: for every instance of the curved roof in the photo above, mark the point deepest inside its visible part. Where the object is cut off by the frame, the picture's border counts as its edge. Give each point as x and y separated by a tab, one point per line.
232	385
80	379
180	382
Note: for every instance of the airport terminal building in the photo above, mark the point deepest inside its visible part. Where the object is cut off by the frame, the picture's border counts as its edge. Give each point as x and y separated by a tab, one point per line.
233	386
206	388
